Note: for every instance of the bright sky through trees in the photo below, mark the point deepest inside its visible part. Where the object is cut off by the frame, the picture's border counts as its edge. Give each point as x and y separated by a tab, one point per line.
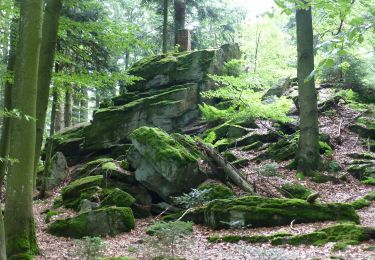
254	7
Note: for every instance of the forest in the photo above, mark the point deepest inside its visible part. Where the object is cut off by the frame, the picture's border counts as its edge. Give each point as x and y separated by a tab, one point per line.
187	129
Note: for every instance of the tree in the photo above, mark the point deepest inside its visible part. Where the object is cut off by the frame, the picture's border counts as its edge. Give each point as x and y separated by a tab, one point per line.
179	20
46	59
165	26
308	157
19	221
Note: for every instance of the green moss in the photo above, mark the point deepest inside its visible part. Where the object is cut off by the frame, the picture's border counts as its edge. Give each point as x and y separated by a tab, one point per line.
252	146
360	203
118	258
325	148
165	147
240	163
23	244
217	191
50	214
295	190
101	222
195	215
74	189
229	156
266	212
370	196
91	168
118	198
369	181
346	233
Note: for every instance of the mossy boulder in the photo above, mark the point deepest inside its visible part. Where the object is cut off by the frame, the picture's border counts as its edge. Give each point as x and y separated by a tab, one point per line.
69	142
57	172
101	222
252	211
295	191
365	127
119	198
216	190
347	233
170	110
164	164
362	168
167	69
85	188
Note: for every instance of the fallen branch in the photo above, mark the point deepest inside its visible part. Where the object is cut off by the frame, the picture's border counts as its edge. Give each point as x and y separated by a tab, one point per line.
235	175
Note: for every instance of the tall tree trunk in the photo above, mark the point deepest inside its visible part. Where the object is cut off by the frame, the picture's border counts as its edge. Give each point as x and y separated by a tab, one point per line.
84	106
308	157
5	130
68	108
257	44
165	26
59	112
48	46
127	58
20	229
179	20
76	107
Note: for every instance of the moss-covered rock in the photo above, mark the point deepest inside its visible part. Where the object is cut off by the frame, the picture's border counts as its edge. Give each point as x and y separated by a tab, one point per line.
360	203
169	110
344	233
106	221
295	191
165	165
369	181
85	188
217	190
365	127
118	198
69	141
370	196
255	211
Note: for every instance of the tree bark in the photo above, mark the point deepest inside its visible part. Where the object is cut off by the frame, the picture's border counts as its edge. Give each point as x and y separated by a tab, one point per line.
68	108
48	46
20	229
165	26
179	19
84	106
308	157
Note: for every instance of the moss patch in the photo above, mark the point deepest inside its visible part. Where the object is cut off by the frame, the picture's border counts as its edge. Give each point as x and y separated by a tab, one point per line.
101	222
347	233
118	198
295	191
253	211
248	239
217	191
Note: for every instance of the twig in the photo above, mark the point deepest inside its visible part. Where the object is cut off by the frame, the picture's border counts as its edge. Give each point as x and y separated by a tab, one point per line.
161	214
183	215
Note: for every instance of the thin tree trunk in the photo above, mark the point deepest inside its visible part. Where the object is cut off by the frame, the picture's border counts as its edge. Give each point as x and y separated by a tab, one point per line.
48	46
308	157
5	131
165	26
84	106
20	228
258	34
76	106
68	108
59	112
179	20
53	111
127	57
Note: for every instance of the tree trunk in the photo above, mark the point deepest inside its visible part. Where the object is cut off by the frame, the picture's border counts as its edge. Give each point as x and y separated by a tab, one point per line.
68	108
84	106
20	229
179	20
76	106
5	130
257	44
48	46
308	157
165	26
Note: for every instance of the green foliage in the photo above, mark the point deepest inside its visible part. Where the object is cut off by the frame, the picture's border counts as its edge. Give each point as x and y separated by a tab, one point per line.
246	104
90	248
233	68
195	198
165	236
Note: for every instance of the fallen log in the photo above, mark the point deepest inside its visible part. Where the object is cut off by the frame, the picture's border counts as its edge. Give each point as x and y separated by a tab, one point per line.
233	174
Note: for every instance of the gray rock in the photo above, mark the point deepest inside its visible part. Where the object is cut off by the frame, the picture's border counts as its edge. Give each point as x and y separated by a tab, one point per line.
59	171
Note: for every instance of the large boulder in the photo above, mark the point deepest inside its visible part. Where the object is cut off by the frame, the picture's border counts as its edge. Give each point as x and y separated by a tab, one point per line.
170	110
177	68
57	172
165	164
101	222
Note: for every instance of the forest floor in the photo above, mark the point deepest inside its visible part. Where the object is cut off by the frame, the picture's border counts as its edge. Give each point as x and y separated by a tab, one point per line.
138	244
